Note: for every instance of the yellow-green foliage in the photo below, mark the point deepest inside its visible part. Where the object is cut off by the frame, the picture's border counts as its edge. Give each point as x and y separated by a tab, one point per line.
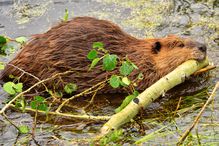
145	14
24	11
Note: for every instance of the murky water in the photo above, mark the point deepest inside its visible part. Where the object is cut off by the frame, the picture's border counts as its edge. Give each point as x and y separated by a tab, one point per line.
142	18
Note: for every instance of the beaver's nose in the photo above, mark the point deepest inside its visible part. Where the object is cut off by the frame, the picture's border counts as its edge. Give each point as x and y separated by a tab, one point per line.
202	47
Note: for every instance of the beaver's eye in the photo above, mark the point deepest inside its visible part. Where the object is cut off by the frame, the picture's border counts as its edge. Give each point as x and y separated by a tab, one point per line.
156	47
181	45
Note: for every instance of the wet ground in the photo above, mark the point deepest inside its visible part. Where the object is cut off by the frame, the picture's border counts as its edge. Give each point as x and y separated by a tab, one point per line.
196	18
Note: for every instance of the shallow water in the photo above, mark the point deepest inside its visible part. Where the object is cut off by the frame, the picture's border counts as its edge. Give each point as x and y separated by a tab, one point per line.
196	18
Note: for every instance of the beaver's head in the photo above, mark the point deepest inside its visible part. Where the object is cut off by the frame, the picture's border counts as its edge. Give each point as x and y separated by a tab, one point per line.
171	51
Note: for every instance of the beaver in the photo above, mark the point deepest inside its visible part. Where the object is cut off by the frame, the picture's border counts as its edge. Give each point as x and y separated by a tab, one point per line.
65	47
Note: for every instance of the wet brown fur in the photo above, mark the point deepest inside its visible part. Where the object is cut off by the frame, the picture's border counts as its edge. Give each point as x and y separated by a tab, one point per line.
65	47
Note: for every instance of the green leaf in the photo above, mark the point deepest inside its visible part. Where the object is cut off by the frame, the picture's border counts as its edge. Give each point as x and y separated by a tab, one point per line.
7	49
70	87
38	103
11	76
23	104
4	48
9	88
18	87
39	99
23	129
114	81
97	45
136	93
3	45
3	40
111	138
92	54
21	40
2	66
135	67
42	107
109	62
34	104
123	84
127	59
94	63
65	18
126	101
20	104
140	76
126	81
126	68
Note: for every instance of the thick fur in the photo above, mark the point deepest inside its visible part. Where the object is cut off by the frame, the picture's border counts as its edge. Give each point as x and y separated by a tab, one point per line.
65	47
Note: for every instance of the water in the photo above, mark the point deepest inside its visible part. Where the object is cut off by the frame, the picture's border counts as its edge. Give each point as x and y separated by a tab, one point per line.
198	19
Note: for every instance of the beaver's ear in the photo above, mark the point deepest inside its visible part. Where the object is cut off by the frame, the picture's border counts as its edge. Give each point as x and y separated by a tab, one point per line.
156	47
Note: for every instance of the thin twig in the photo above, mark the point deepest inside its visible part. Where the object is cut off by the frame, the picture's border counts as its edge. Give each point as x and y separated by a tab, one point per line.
198	137
6	117
92	99
177	107
34	124
80	94
207	68
38	83
86	117
24	71
185	134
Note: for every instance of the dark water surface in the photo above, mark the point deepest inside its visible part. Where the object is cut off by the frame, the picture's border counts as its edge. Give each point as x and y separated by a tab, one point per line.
198	19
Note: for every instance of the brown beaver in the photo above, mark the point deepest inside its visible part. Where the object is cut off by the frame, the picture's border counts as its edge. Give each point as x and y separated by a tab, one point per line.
65	47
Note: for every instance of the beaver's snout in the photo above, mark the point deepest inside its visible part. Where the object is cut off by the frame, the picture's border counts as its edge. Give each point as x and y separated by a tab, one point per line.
200	51
202	47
